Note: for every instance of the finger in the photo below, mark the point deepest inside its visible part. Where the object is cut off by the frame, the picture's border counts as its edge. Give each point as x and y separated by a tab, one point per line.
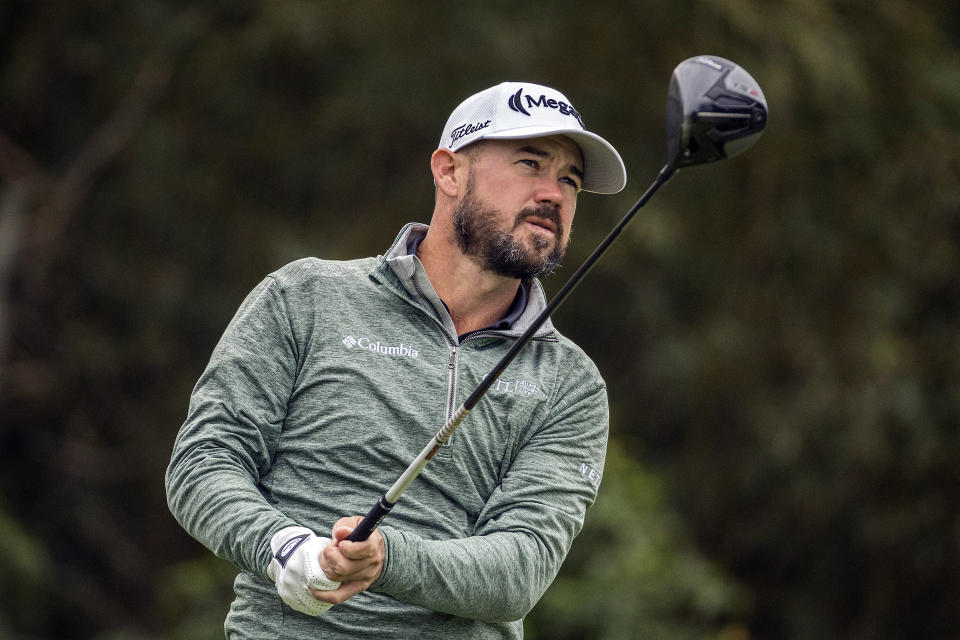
353	573
343	527
337	566
333	563
365	550
338	596
340	533
372	549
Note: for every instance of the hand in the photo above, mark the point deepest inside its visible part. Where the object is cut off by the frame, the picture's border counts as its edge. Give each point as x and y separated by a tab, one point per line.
295	569
357	565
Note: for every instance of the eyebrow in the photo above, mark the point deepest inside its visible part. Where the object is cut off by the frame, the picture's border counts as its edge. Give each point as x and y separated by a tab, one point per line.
537	151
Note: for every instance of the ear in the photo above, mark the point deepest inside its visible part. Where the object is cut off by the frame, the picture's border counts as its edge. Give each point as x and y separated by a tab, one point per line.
443	164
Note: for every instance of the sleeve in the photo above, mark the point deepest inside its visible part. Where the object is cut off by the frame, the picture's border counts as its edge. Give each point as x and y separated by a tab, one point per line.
228	439
524	531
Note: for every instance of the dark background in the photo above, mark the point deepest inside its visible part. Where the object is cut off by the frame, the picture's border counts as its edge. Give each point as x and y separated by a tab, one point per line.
779	332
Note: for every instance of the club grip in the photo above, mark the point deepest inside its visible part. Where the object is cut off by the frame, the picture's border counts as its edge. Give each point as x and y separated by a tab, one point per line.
371	521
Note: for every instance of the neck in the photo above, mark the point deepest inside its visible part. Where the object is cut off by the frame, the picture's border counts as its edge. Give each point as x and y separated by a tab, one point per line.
475	296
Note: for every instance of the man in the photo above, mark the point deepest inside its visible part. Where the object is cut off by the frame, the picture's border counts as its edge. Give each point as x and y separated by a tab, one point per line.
333	375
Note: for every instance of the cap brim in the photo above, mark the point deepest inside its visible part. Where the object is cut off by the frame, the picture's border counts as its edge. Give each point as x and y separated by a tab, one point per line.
603	169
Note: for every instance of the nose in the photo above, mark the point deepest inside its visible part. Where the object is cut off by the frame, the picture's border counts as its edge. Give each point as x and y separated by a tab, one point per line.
549	192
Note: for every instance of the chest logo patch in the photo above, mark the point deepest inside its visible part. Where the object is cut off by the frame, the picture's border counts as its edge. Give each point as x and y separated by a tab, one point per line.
401	350
520	387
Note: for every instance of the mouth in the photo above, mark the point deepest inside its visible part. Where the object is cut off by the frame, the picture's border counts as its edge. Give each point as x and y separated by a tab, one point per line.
541	224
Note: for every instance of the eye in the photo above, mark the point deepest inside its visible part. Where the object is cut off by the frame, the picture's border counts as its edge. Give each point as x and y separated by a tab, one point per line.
571	182
530	162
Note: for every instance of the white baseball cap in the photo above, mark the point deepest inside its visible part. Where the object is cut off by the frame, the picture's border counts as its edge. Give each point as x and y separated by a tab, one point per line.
514	110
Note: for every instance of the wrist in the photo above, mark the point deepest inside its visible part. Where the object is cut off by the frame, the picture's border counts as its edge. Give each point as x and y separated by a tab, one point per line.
385	536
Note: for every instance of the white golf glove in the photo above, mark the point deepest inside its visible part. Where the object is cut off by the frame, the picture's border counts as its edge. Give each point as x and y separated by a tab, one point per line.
295	569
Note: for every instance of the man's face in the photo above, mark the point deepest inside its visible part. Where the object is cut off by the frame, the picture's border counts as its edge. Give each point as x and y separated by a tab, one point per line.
514	218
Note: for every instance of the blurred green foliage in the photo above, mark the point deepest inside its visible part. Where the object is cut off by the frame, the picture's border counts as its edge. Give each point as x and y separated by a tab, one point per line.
779	332
634	572
23	563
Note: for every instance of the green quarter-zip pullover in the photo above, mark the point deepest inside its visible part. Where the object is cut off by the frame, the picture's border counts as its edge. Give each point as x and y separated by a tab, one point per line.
329	380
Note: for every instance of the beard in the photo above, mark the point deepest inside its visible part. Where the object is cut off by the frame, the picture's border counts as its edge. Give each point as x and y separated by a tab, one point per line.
499	251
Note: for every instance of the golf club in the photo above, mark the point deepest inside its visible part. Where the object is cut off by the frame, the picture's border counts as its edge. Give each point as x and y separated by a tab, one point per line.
715	110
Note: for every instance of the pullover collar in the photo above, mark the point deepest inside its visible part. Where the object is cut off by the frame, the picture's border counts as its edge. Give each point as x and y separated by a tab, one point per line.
403	262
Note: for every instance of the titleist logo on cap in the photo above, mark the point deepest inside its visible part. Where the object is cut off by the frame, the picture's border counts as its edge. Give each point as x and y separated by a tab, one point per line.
516	103
467	129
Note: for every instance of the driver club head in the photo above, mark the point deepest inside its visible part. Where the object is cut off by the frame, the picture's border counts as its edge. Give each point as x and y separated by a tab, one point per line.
715	110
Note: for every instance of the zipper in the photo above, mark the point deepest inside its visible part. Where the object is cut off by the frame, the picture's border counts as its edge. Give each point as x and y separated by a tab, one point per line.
500	333
452	361
453	350
452	364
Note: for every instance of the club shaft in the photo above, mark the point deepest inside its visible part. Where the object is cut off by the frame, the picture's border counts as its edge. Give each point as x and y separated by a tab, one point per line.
380	510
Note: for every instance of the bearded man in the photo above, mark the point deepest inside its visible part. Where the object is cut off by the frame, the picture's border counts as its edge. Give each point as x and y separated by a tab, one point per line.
333	374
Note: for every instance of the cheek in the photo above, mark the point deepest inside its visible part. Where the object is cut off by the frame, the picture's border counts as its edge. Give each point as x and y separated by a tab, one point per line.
567	218
502	195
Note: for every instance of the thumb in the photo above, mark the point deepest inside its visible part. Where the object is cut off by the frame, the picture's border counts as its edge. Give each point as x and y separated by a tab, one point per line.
344	527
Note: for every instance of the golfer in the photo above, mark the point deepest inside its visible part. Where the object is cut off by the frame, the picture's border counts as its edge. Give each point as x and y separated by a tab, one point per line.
333	374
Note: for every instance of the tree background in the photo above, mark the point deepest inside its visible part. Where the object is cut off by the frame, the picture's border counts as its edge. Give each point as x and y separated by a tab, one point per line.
779	332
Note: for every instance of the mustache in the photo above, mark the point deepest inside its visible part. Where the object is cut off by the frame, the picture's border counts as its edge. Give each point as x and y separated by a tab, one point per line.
546	212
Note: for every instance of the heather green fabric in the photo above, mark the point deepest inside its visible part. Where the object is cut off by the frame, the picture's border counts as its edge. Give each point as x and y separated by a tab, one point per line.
329	380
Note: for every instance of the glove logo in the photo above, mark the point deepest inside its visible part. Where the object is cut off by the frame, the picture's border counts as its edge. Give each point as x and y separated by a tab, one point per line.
287	550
